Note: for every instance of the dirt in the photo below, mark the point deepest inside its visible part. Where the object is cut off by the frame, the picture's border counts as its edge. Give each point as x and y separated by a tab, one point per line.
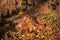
30	20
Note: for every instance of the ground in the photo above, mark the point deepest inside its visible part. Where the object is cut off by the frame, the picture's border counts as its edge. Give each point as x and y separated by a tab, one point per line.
39	23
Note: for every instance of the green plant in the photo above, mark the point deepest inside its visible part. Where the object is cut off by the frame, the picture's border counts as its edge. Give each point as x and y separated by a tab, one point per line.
42	16
24	3
21	9
5	36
